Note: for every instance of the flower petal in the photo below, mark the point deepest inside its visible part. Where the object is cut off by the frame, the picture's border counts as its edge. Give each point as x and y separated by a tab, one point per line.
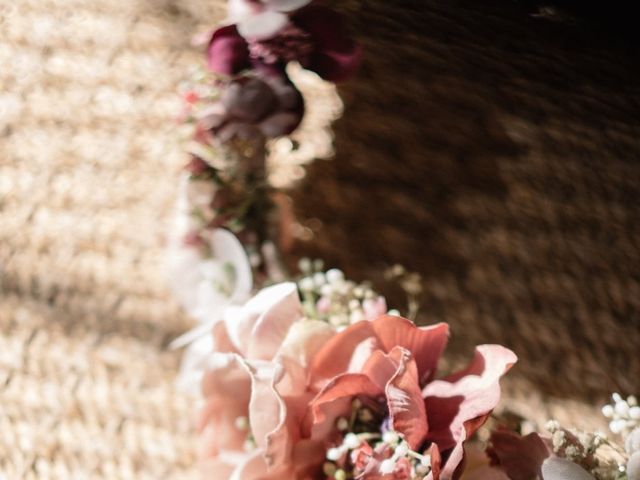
555	468
336	56
285	5
335	400
426	344
633	466
226	246
273	325
268	411
263	25
458	405
258	328
228	52
520	457
404	399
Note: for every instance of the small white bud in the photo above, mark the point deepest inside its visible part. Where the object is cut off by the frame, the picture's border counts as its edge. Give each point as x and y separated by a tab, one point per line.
617	426
394	312
306	284
304	265
622	408
342	424
632	400
634	413
242	423
390	438
351	441
402	450
334	275
387	466
334	454
340	475
319	279
607	411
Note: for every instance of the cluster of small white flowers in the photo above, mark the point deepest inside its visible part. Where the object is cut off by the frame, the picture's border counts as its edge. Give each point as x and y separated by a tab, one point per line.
580	448
420	464
329	296
624	414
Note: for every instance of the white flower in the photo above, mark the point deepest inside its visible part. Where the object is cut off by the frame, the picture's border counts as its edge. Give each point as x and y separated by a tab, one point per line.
206	286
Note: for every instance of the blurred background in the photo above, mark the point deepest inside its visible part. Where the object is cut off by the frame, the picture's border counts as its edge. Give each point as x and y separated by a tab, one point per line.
492	146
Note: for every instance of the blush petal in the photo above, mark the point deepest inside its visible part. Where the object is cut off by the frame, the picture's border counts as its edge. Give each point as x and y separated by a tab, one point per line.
404	399
458	405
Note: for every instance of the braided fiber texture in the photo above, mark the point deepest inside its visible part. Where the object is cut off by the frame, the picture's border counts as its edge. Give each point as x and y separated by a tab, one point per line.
88	169
509	180
497	154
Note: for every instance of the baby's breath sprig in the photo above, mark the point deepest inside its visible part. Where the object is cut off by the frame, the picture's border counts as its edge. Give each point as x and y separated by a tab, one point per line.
329	296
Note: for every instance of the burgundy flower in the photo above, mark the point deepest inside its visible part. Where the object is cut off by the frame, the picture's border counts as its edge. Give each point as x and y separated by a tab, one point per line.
250	106
314	36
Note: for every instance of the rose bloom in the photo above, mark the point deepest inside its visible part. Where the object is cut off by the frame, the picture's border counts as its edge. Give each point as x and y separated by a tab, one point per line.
295	378
254	383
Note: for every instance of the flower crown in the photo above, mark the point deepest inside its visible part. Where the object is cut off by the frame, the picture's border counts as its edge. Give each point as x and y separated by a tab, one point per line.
310	375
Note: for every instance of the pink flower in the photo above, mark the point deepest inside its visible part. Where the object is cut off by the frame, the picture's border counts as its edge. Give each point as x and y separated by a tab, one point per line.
251	106
254	387
268	36
392	363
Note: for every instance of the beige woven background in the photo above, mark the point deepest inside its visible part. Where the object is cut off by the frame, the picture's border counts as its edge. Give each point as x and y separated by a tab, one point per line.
88	166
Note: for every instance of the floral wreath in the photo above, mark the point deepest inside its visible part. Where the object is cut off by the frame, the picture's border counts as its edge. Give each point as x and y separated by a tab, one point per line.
311	376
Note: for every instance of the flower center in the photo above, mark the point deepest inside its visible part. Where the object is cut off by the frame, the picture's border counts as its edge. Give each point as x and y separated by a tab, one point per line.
370	446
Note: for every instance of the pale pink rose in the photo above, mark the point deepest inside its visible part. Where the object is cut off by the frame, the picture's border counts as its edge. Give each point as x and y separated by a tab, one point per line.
258	373
391	360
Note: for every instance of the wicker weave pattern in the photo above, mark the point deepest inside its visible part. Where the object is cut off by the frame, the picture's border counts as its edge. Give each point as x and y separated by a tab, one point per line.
501	155
88	165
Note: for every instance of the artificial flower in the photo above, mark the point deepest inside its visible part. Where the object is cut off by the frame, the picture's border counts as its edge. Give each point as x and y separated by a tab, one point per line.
389	365
207	284
251	106
254	384
268	39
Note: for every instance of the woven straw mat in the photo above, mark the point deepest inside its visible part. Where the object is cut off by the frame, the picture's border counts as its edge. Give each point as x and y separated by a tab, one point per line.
88	166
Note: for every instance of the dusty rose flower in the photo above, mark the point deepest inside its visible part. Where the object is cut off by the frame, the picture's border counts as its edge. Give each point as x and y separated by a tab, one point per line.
251	106
254	388
391	363
266	39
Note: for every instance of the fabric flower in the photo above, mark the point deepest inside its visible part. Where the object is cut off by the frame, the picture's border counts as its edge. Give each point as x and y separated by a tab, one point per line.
270	34
254	387
206	285
251	106
392	363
